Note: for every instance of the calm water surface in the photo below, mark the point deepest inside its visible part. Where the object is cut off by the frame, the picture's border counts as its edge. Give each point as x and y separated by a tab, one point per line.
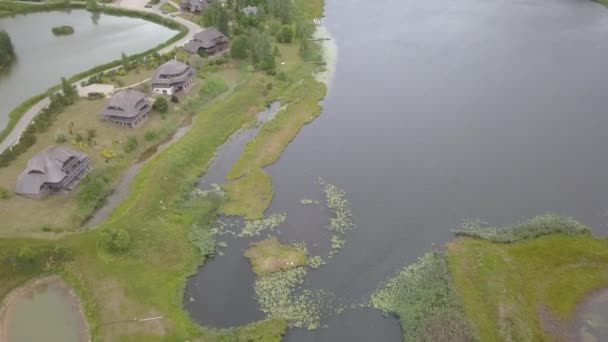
442	111
46	314
42	58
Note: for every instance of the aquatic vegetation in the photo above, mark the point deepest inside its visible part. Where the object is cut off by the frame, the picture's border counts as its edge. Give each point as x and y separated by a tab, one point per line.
336	201
279	298
308	201
316	261
343	221
270	256
423	296
62	30
538	226
256	227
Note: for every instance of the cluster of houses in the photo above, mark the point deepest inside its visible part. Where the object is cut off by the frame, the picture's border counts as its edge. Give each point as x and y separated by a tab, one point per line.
61	168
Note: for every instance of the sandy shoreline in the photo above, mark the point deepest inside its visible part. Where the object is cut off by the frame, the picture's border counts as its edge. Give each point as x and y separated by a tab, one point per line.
12	297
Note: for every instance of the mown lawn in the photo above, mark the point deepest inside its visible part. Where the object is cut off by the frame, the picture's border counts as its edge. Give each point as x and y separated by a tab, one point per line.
505	287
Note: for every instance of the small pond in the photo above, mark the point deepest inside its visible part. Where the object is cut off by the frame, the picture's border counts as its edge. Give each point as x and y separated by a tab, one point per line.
42	58
50	307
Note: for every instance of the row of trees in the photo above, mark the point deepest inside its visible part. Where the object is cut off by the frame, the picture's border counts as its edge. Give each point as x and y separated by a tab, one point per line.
7	51
254	36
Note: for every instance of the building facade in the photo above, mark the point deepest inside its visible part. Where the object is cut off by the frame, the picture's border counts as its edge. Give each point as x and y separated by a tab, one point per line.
172	77
56	168
127	108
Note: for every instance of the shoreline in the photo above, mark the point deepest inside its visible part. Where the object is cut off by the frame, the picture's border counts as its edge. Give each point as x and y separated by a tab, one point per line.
20	117
7	304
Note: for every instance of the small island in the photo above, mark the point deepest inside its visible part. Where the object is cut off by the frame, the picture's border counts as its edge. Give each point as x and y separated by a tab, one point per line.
63	30
7	52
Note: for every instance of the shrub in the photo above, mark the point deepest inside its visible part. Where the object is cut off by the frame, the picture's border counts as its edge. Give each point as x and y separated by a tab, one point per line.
174	99
92	191
62	30
161	105
4	193
538	226
150	135
131	144
239	48
107	155
26	255
282	76
116	240
61	138
286	34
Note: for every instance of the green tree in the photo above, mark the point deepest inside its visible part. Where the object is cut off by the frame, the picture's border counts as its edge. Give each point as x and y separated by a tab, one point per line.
239	48
286	34
260	46
124	60
223	22
161	105
116	240
92	5
69	92
131	144
7	51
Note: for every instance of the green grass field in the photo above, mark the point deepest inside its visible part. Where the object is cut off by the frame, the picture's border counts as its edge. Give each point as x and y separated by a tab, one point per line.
506	287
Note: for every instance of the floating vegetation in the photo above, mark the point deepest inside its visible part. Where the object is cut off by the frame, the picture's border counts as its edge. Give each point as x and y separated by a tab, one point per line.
316	261
202	238
213	190
279	296
342	222
537	226
256	227
423	296
308	201
336	201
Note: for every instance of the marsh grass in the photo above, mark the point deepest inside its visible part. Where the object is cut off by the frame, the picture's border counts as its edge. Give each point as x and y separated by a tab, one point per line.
536	227
424	299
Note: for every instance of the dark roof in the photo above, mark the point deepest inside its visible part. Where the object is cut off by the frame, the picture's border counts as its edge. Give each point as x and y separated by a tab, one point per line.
250	10
124	104
205	39
45	167
172	67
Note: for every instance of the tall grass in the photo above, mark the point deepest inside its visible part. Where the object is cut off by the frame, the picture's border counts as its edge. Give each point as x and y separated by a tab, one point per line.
536	227
423	297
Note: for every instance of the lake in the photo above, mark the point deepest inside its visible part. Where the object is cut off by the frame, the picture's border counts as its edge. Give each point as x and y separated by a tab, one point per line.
439	112
443	111
42	58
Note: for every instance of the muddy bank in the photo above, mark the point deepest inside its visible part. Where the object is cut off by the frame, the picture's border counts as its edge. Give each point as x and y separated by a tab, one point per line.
58	317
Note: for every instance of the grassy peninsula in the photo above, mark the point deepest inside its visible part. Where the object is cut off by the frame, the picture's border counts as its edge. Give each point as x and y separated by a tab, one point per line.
63	30
167	224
